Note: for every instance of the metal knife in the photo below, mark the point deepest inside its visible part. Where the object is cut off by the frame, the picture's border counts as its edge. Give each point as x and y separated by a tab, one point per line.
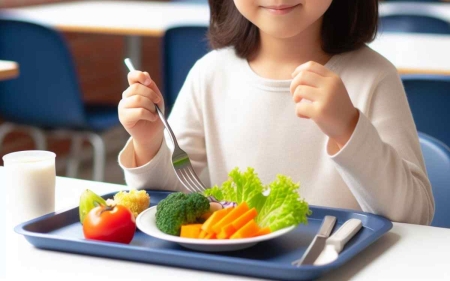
318	243
337	241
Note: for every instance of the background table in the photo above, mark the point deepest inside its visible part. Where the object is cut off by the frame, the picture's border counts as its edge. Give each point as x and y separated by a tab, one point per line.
130	18
411	53
439	10
408	252
415	53
150	18
8	70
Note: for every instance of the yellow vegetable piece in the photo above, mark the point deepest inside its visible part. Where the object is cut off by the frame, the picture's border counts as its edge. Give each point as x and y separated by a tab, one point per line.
230	217
248	230
190	230
135	200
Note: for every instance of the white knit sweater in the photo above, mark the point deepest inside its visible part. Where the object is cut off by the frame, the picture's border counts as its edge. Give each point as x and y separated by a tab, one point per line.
227	116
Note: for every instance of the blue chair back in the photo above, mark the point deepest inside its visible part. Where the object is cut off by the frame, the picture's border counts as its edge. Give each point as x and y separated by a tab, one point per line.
46	93
182	47
437	161
413	24
429	100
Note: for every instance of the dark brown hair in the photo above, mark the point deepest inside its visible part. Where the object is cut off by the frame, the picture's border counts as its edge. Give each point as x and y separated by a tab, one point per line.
347	25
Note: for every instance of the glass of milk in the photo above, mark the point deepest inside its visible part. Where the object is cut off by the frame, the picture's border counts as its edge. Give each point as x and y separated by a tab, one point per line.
30	184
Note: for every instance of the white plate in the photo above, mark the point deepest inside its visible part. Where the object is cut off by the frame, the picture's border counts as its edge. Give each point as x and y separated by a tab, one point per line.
146	222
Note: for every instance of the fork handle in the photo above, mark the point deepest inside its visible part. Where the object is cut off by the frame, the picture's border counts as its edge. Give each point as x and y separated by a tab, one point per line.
130	66
163	119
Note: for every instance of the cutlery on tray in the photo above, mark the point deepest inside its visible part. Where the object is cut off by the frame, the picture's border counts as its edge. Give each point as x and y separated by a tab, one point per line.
318	243
336	242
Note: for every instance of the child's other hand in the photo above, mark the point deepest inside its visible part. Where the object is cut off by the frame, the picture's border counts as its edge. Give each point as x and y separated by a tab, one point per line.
330	106
137	111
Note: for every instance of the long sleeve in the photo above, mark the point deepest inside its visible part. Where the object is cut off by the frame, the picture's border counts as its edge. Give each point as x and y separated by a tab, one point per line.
185	121
226	116
155	174
382	163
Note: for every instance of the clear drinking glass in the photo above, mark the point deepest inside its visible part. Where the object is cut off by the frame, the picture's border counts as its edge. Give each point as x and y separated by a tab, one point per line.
30	184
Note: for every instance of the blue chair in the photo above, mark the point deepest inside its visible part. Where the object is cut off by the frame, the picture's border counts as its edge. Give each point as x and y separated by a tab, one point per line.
46	98
429	100
413	24
182	47
437	161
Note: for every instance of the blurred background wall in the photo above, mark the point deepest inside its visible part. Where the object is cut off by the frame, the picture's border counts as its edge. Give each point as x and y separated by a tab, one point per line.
99	63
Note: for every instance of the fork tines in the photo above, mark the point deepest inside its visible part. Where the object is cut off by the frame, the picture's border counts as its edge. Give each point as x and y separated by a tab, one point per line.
189	179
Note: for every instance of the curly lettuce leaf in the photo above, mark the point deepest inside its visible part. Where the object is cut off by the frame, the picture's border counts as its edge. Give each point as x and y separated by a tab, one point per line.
240	187
283	206
216	192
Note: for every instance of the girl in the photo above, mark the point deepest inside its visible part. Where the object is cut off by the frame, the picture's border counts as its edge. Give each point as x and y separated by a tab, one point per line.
290	88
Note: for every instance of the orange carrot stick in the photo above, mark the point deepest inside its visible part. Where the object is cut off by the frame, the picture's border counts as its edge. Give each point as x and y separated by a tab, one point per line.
214	218
263	231
211	235
202	234
248	230
226	231
230	217
245	218
190	230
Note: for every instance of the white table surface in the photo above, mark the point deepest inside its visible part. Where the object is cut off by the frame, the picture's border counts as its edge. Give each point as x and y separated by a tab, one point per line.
407	252
410	53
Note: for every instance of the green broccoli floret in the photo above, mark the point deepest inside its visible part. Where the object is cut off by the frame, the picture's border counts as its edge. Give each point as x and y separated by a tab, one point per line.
178	209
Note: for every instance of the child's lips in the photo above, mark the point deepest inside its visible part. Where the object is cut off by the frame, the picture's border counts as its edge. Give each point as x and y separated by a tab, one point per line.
280	10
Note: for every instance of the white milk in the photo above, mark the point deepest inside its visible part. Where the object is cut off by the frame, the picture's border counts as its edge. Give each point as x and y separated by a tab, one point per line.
30	184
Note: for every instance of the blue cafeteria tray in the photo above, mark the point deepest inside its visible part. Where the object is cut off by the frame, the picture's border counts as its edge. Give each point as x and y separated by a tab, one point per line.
62	231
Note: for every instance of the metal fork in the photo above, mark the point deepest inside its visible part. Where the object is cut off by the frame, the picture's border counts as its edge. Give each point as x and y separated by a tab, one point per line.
180	159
